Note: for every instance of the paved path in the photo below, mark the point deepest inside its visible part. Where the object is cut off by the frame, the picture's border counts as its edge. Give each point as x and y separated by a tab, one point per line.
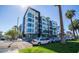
12	51
13	47
5	50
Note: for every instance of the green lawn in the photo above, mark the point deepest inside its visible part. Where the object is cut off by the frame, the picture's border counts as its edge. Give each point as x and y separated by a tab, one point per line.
71	46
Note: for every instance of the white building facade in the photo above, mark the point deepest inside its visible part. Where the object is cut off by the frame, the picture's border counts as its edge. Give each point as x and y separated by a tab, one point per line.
35	25
31	23
54	28
44	23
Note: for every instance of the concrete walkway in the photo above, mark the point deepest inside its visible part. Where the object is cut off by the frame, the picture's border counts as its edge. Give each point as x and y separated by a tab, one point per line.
12	51
13	47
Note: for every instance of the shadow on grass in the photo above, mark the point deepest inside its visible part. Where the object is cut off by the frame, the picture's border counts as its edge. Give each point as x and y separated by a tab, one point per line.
69	47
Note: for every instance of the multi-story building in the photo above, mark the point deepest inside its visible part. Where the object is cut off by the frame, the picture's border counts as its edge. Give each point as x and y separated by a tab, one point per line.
35	25
54	28
45	26
31	23
58	31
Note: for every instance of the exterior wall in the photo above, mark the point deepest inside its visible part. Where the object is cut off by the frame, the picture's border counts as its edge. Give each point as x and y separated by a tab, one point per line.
58	31
50	28
21	28
54	28
31	21
44	23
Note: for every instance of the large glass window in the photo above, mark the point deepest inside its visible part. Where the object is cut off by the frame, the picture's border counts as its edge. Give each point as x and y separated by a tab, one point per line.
30	15
44	23
36	18
30	25
30	30
30	20
43	19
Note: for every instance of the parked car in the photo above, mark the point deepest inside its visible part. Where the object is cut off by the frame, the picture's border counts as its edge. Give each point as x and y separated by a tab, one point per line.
2	38
68	38
56	39
39	41
51	40
19	39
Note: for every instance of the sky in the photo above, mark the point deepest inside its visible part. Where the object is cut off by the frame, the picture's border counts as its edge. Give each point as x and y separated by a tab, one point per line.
10	13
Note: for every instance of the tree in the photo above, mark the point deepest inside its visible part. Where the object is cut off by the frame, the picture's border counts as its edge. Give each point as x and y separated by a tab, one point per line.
13	33
61	25
70	14
75	24
70	27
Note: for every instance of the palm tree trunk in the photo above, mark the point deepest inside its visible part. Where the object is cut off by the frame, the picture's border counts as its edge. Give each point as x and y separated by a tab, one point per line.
76	34
78	30
61	25
73	29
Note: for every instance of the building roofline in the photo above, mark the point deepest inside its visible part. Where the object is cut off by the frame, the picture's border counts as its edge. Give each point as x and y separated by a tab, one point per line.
32	9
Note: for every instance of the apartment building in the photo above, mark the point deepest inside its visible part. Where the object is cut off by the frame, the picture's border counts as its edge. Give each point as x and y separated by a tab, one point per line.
31	23
54	29
45	26
35	25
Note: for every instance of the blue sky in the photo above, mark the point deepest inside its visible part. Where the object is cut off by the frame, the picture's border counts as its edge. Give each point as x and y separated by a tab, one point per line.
9	14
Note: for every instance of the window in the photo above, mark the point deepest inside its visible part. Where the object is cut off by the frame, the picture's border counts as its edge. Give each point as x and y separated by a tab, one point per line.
43	19
30	20
30	15
30	30
44	23
30	25
36	17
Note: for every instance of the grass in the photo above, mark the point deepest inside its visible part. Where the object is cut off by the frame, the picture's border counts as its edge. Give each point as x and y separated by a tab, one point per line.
71	46
37	49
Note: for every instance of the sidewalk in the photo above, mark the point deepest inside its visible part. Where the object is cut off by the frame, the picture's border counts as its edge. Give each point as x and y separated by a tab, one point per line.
12	51
14	46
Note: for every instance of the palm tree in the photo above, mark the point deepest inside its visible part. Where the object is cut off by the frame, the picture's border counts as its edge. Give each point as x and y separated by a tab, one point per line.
78	25
70	27
12	33
70	14
75	23
61	25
